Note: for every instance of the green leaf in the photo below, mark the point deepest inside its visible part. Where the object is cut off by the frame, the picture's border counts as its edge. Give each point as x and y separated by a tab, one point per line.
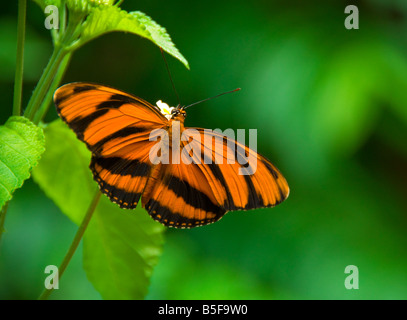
21	146
105	19
159	35
63	171
120	247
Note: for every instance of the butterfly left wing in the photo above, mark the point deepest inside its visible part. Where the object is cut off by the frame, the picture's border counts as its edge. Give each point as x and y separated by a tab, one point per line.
101	115
115	127
123	174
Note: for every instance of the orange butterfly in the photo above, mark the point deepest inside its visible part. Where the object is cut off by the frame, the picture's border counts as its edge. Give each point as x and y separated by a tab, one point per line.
117	128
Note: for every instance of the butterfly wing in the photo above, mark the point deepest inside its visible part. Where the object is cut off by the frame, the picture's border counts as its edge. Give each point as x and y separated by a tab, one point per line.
116	127
188	195
251	183
178	195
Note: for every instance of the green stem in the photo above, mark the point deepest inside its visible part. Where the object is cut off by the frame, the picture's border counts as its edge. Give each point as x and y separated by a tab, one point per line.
2	218
18	80
66	37
42	111
75	242
45	81
62	21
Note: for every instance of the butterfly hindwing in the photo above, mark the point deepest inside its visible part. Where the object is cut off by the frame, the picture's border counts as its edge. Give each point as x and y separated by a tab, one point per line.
179	196
123	177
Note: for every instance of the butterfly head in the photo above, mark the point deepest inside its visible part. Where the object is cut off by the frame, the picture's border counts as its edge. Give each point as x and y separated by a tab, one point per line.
178	113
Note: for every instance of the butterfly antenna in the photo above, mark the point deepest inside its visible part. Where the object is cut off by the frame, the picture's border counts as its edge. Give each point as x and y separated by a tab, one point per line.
169	74
218	95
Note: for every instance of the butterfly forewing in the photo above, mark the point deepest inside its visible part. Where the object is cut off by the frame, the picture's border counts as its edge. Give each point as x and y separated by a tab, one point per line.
116	127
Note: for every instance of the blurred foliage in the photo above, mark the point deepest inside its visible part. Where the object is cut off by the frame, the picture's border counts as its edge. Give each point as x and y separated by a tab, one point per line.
329	105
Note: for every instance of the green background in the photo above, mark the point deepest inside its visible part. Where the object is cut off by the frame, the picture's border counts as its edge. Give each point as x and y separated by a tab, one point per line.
329	106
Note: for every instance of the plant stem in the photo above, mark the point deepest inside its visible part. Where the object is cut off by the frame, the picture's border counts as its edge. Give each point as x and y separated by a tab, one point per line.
75	242
45	81
18	79
62	20
2	218
42	111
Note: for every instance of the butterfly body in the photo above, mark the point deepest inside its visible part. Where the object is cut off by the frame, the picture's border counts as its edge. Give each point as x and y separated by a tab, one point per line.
175	129
123	133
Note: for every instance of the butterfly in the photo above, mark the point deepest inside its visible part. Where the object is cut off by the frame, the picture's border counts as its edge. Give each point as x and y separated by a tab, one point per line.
117	129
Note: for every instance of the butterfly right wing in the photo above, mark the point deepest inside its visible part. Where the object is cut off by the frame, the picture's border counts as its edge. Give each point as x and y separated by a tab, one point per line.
197	192
236	185
116	127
